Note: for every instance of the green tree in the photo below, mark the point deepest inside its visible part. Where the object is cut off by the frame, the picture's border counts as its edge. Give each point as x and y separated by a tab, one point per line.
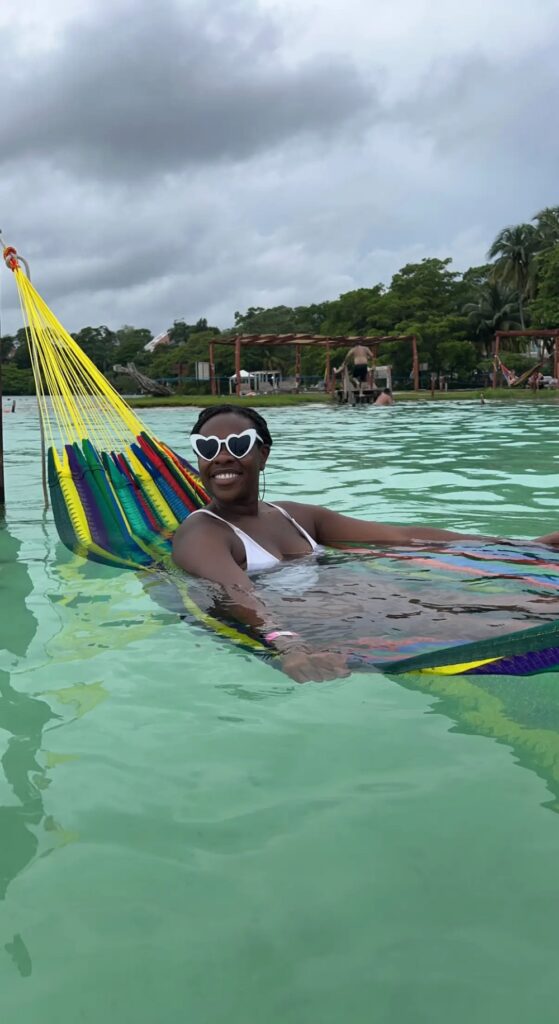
99	343
420	291
356	312
280	320
458	357
544	310
495	308
547	228
22	356
514	251
130	343
16	381
7	347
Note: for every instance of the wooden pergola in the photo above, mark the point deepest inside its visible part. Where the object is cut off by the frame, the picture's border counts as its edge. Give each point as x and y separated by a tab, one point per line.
303	340
532	333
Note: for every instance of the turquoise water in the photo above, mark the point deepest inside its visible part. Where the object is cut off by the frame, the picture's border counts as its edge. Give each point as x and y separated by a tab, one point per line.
186	835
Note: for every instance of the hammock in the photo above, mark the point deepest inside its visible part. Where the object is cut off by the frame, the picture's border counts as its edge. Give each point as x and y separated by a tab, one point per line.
118	494
511	377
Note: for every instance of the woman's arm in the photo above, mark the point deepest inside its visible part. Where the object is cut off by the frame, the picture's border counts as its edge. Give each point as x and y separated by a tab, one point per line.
332	528
208	555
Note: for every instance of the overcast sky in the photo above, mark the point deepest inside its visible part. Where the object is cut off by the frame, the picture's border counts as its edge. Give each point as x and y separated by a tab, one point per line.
185	159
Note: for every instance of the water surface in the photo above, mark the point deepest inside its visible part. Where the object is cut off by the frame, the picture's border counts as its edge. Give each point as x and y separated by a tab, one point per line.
186	835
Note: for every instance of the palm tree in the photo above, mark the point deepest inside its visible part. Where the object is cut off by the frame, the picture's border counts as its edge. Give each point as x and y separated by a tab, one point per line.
547	228
496	308
514	251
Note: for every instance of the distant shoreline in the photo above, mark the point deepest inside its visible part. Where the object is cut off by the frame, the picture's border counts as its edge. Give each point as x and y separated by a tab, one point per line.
277	401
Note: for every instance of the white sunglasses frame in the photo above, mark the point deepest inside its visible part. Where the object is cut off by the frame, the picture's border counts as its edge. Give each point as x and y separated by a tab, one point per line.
254	437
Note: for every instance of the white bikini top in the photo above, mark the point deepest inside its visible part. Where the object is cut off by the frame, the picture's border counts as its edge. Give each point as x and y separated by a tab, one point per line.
257	558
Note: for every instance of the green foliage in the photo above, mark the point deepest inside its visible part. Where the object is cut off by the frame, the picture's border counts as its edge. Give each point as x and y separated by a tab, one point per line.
547	228
545	308
7	346
99	343
354	312
21	355
281	320
459	357
16	381
495	308
420	291
129	346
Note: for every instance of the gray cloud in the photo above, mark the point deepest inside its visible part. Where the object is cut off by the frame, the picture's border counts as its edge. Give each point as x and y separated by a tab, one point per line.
148	89
185	161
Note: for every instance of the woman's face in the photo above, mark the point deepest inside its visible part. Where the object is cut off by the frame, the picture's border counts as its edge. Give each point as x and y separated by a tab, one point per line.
227	479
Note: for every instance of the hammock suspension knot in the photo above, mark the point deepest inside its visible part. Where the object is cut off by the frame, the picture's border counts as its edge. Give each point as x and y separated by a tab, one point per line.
10	257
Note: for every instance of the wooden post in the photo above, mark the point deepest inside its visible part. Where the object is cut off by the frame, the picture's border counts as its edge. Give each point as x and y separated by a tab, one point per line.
495	358
297	367
238	365
415	363
2	487
371	374
213	388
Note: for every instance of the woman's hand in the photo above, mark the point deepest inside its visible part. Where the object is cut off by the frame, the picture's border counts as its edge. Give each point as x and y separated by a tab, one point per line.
306	666
551	540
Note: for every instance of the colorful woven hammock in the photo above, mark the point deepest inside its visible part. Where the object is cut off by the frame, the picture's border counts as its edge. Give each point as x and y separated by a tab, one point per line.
118	494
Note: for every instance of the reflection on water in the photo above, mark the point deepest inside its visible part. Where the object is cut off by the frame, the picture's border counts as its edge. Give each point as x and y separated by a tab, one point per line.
27	830
24	718
522	713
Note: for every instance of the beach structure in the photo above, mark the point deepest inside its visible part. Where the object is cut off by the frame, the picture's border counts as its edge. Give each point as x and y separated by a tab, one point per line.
300	341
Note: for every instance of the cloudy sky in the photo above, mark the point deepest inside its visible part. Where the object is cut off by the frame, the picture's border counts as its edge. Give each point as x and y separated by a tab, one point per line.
189	158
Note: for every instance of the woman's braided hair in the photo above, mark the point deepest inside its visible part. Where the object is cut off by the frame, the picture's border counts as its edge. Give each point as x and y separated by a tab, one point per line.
249	414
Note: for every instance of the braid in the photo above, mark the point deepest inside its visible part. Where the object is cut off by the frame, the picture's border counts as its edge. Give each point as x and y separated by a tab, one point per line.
249	414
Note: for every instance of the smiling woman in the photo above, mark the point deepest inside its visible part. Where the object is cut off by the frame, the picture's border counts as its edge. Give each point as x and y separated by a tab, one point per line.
238	534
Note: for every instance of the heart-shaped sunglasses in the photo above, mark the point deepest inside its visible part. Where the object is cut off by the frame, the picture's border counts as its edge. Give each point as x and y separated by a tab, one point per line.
238	445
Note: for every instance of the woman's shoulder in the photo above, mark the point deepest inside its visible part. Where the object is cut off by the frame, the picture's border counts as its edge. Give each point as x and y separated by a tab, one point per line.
197	527
303	513
198	522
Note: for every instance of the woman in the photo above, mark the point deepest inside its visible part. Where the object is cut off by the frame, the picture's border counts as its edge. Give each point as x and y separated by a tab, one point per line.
238	534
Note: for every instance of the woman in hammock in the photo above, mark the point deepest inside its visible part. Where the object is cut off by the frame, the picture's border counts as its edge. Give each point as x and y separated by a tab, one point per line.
238	535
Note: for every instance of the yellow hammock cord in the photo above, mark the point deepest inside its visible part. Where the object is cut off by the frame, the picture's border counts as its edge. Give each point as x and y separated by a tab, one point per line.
75	400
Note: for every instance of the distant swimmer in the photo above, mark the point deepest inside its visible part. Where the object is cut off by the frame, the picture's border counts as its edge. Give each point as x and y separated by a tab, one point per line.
385	397
12	407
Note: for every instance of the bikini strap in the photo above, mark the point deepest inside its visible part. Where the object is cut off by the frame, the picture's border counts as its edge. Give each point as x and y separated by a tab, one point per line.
220	519
297	525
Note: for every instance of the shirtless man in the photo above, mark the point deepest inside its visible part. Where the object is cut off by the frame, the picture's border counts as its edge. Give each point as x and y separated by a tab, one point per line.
360	356
385	398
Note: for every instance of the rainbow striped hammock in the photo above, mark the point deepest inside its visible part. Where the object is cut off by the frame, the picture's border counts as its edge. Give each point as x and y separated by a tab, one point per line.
118	494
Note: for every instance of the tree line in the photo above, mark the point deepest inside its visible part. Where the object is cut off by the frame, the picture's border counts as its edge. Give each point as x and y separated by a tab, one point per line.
454	316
